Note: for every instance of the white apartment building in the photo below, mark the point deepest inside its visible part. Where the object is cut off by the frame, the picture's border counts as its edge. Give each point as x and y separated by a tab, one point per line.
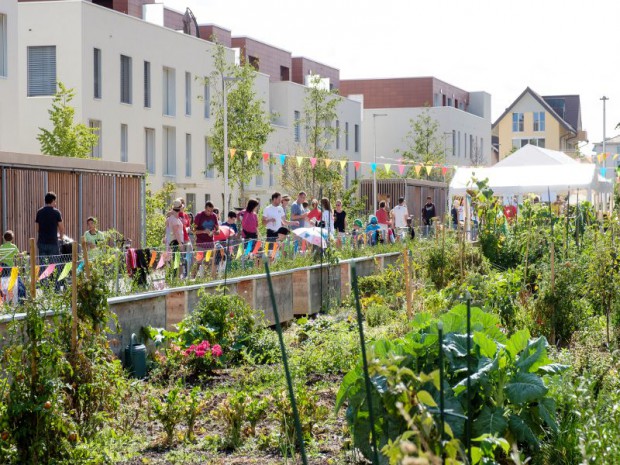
463	118
9	102
141	85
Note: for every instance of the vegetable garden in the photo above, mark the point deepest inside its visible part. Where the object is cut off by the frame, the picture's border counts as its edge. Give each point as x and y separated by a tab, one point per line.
499	352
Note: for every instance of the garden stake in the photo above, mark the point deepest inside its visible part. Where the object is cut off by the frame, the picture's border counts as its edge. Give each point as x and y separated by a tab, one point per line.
407	282
552	335
441	375
577	221
469	412
287	372
567	221
33	270
360	326
74	322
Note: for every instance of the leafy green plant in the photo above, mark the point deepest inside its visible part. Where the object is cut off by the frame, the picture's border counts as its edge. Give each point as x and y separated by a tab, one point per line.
169	410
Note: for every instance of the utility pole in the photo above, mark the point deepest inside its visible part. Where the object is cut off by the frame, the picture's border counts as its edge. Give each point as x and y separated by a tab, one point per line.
374	173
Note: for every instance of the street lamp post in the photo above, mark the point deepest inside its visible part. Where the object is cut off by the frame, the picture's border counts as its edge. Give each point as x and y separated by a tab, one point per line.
225	79
374	173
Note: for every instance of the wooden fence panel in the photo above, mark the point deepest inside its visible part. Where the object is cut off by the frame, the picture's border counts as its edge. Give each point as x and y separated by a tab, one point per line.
25	195
97	199
65	185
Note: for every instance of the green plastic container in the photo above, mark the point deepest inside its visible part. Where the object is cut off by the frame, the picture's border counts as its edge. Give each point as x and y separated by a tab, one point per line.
135	358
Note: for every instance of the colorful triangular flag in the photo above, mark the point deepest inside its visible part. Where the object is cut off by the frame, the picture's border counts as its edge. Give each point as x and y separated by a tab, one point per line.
429	168
249	154
65	271
373	167
153	258
313	161
328	162
48	271
343	163
357	165
13	279
387	167
417	169
401	169
232	152
299	160
265	156
282	159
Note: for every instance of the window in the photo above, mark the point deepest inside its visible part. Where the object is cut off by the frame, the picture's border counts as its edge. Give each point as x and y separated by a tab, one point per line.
207	198
518	143
125	79
41	70
207	100
124	153
149	149
465	144
539	121
147	84
449	102
436	100
169	94
259	177
188	93
97	72
346	136
3	46
337	134
170	152
357	138
297	116
458	141
454	143
471	146
190	200
188	155
209	171
271	175
96	127
285	75
517	122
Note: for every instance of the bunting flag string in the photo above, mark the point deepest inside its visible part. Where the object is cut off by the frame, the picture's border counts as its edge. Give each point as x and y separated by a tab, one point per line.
249	153
429	168
239	251
265	156
208	256
357	165
417	169
48	271
282	159
328	162
80	266
153	258
266	247
13	279
313	162
65	271
232	153
199	256
299	160
387	167
177	260
444	170
343	163
275	248
248	248
401	169
373	167
162	259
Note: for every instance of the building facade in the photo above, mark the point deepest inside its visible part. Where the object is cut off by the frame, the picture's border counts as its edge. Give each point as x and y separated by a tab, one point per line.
140	84
552	122
9	106
463	118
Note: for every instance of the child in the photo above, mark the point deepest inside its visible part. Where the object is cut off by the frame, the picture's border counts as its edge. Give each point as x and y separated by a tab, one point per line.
231	222
8	250
373	230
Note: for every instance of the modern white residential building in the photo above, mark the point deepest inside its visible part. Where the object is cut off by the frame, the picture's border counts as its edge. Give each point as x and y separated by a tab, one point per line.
9	101
140	83
464	118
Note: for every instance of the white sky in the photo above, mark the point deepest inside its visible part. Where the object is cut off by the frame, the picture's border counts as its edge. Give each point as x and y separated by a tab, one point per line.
501	47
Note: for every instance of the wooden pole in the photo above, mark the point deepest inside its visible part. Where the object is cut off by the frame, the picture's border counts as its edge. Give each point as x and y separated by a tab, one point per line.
407	283
33	269
553	291
85	257
74	317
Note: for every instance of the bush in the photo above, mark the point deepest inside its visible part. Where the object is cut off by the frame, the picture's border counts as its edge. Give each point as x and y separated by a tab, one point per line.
378	315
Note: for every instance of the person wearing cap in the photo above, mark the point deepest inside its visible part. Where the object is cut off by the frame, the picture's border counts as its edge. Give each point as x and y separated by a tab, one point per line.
357	232
286	200
207	226
373	229
174	227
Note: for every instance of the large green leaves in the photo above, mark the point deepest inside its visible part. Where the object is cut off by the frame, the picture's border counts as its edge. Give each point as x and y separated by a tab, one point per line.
491	420
524	388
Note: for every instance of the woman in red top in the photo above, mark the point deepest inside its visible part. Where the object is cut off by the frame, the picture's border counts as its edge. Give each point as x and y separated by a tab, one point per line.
383	218
314	215
249	220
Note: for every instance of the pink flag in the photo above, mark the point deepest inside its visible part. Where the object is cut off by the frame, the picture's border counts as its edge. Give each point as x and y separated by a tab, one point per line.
313	161
266	156
162	259
401	169
48	271
357	165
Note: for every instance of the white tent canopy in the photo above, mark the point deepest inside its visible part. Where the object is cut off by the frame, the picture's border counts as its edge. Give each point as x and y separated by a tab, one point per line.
533	170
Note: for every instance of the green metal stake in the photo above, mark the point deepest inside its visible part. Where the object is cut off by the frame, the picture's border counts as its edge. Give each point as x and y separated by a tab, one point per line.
469	412
371	414
441	377
287	372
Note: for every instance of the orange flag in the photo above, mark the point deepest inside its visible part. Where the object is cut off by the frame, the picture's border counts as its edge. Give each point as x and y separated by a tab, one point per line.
328	162
256	247
153	258
275	248
232	152
200	256
417	169
303	246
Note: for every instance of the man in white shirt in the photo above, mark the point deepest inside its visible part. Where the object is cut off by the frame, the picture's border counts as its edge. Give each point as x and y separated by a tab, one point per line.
274	217
400	215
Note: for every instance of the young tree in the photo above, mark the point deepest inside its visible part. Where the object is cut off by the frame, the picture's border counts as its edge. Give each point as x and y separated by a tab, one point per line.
320	106
66	139
157	203
249	124
424	144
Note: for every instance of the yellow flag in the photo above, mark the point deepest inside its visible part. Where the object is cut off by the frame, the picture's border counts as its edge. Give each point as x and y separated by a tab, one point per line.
65	271
429	168
249	154
13	279
343	163
387	167
208	257
417	169
615	156
328	162
299	160
239	251
266	247
232	152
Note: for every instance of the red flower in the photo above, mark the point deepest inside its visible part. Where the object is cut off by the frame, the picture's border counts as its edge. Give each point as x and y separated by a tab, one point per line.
216	351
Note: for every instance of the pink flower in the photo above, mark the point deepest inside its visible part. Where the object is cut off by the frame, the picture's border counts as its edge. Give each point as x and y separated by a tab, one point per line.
204	345
200	353
216	351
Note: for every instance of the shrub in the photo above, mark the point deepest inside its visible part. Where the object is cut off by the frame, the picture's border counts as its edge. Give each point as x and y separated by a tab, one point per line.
378	315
